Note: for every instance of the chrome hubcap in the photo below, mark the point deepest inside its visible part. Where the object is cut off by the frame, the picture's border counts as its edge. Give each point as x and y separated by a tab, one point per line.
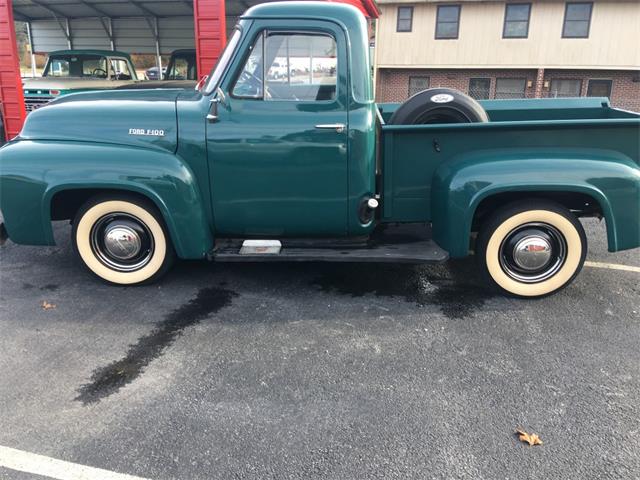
122	242
533	252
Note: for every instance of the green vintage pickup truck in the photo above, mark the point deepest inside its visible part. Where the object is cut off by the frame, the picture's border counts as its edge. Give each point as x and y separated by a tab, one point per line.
283	155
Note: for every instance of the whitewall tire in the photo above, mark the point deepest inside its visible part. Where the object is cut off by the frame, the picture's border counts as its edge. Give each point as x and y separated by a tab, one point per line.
122	240
532	248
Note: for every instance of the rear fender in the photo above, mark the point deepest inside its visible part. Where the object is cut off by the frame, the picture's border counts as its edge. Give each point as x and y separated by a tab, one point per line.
461	185
34	172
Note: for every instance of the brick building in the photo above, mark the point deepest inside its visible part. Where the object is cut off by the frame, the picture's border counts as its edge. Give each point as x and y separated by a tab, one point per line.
505	49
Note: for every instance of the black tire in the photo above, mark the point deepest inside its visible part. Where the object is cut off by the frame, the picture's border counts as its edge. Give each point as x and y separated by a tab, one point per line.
531	248
122	239
439	105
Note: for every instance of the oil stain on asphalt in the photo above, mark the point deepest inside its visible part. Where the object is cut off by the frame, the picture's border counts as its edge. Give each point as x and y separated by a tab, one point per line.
108	380
453	288
49	287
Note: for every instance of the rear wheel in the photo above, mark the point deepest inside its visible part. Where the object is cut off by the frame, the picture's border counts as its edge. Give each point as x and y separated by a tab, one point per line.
122	240
532	248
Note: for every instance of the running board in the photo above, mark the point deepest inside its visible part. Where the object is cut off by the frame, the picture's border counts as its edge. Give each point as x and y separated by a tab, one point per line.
391	245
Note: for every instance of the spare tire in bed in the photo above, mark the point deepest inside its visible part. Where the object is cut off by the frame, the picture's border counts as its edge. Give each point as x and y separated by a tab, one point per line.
439	105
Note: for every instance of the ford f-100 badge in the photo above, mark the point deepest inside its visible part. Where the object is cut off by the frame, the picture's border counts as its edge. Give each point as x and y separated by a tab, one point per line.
149	132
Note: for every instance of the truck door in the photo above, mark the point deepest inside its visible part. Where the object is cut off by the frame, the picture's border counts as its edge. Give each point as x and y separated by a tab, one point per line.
278	148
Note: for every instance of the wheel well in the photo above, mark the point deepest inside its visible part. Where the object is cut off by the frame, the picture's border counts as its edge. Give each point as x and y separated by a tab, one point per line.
66	203
581	204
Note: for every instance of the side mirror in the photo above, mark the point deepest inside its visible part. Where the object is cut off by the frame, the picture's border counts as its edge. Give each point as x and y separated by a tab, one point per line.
212	116
218	98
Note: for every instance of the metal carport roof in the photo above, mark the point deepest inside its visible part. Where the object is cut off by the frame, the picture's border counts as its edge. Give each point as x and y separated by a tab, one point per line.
129	25
134	26
25	10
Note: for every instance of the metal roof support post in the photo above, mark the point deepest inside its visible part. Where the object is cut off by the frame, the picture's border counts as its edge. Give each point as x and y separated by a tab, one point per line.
107	26
68	34
33	56
158	57
112	39
156	36
57	15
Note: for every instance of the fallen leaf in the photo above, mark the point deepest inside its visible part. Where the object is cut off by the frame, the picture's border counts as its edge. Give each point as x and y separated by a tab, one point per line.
48	306
530	438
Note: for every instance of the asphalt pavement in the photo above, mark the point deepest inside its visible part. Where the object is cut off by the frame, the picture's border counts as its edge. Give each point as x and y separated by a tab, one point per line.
337	371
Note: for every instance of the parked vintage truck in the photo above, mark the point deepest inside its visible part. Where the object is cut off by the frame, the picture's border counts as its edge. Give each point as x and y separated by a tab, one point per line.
180	73
253	168
72	71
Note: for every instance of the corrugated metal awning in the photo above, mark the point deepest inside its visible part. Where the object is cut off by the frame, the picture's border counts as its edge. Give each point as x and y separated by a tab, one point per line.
133	26
29	10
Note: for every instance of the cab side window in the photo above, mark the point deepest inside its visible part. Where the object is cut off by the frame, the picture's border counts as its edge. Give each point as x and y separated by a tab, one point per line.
180	70
120	69
91	66
286	66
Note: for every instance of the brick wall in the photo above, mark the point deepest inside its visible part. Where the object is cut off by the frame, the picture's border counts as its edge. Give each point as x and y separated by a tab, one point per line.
625	93
393	84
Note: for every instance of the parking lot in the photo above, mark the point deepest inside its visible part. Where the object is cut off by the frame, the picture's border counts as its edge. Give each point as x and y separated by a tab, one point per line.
319	370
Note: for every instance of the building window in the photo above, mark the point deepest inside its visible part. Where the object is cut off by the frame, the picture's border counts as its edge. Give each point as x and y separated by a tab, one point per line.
405	19
510	87
417	84
516	20
599	88
577	19
447	21
565	88
479	88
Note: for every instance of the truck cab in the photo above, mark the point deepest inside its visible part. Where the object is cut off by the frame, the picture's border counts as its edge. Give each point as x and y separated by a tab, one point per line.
283	155
302	103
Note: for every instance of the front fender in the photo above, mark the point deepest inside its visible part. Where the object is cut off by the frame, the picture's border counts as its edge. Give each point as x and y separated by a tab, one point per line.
33	172
611	179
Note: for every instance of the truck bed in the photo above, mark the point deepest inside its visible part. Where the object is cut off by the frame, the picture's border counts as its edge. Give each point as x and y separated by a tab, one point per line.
520	110
517	128
536	134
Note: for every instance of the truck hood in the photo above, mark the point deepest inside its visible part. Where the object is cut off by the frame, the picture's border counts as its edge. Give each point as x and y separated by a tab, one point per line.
71	83
141	118
149	84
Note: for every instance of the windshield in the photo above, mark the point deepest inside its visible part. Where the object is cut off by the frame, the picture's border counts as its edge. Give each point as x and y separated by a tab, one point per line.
223	61
93	66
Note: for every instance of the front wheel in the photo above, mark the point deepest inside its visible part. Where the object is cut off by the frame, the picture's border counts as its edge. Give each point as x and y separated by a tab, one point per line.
122	240
532	248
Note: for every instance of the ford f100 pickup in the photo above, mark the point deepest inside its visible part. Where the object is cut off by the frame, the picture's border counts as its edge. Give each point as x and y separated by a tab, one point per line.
283	155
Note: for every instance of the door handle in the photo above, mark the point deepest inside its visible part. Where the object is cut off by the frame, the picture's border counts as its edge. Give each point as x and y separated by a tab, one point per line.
338	127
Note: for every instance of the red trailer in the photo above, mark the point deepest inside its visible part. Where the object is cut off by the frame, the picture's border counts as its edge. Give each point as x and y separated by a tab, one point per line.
11	96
